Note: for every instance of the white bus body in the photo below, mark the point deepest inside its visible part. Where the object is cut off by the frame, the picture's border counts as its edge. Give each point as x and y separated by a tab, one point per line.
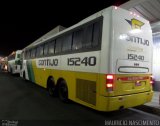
14	63
115	74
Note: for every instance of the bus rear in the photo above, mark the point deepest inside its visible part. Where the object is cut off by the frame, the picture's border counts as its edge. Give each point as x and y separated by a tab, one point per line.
128	80
14	63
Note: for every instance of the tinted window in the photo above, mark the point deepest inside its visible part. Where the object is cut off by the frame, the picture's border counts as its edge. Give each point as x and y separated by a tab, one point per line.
88	37
85	36
58	45
67	43
28	54
39	51
51	46
25	54
96	33
77	39
45	48
33	53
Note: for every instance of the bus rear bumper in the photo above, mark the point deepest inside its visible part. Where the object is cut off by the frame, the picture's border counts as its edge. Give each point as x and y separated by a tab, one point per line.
125	101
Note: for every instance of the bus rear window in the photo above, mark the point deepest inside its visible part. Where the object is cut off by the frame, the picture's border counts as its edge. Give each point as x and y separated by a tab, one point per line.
131	69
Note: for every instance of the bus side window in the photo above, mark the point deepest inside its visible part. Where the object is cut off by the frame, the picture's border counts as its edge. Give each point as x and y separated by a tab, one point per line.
28	54
59	42
51	46
67	43
41	50
33	52
77	39
46	49
38	51
88	38
96	33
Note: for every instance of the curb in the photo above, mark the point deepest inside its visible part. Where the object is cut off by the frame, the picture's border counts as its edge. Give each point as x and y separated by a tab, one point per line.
149	109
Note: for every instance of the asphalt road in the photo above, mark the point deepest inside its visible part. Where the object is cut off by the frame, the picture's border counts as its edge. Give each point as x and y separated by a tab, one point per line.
29	103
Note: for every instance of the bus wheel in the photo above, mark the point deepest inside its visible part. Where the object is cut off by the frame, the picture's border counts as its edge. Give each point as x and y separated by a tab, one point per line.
51	87
63	91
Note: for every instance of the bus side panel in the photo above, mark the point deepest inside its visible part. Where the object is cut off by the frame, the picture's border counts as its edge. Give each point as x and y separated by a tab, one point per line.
31	75
40	74
81	71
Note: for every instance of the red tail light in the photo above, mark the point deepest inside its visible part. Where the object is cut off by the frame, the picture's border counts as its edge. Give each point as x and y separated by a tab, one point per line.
151	80
109	82
109	85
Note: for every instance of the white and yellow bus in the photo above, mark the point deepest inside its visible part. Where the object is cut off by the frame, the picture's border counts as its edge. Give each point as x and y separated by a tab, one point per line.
14	63
103	62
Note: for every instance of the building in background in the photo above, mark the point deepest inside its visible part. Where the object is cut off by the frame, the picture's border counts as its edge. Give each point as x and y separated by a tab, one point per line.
156	61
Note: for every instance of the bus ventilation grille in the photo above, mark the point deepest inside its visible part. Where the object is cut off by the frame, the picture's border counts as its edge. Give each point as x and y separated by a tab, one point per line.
86	91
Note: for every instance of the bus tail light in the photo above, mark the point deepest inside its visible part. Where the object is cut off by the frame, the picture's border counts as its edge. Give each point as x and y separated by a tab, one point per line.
109	82
151	80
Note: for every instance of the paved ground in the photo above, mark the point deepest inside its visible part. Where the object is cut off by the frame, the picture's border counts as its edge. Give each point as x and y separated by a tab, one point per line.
155	100
30	104
153	106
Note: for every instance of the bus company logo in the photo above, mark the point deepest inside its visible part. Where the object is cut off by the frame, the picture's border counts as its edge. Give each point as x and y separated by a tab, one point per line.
135	24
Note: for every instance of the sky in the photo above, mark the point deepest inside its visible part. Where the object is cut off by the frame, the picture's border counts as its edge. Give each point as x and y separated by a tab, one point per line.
21	23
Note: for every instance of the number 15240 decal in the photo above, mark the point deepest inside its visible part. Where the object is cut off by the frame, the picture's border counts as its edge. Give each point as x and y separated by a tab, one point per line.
77	61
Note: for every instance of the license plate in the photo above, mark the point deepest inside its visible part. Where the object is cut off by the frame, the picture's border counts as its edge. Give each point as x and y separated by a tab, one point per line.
138	84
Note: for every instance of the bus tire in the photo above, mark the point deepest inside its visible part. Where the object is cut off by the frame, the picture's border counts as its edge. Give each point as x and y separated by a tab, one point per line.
51	87
63	91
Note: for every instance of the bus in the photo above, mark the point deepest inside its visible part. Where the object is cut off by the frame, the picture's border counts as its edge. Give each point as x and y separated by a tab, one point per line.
103	62
14	62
